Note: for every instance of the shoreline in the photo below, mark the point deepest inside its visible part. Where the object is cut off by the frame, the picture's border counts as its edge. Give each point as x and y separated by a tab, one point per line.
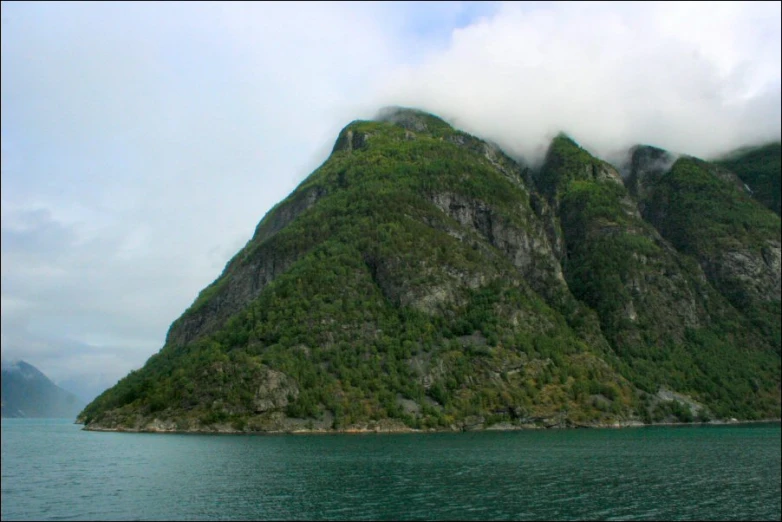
388	430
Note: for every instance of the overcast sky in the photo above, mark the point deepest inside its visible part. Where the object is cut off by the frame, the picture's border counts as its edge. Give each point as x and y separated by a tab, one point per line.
143	142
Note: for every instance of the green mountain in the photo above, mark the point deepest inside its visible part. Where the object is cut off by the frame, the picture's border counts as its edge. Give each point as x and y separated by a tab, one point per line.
706	213
26	392
759	168
422	279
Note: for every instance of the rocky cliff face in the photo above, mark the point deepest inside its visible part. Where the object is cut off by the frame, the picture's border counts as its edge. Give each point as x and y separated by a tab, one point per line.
647	165
423	279
526	245
247	274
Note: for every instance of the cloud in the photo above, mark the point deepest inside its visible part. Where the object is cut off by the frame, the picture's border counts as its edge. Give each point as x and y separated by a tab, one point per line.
143	142
691	77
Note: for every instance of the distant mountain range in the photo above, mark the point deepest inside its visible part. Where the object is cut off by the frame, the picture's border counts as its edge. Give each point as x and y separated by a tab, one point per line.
26	392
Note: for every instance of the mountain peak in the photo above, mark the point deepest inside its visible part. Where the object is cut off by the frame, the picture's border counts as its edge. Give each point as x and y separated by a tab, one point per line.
414	120
22	368
647	164
9	364
27	392
567	161
564	138
403	123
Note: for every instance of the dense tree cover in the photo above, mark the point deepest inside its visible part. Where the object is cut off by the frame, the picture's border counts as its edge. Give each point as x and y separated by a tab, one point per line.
709	219
703	213
388	308
761	169
665	324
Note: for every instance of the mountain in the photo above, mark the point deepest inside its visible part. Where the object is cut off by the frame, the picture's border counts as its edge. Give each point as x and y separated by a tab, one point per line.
708	213
26	392
423	279
759	168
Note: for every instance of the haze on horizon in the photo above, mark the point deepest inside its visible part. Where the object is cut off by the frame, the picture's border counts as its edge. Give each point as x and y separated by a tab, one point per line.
143	142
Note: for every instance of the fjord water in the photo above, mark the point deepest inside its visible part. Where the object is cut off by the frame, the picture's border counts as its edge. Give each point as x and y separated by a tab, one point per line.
53	470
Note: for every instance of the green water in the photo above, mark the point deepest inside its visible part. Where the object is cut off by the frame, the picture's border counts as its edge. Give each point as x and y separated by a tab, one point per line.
52	470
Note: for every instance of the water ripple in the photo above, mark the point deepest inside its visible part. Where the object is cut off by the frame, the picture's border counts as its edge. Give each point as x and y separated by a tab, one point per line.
54	471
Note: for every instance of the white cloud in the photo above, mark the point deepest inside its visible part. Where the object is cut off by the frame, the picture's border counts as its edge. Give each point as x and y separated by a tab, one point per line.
696	77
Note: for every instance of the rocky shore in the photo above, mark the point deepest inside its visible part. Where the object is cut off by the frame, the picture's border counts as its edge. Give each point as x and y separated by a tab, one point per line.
398	427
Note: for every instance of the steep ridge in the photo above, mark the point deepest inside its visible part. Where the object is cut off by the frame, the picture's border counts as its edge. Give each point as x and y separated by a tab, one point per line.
707	214
656	307
422	279
761	169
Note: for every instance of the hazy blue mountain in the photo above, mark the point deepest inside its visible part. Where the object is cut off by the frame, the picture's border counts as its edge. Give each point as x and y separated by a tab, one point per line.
87	388
26	392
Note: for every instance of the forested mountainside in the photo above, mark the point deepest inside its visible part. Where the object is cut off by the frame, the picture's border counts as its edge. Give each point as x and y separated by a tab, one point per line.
759	168
423	279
